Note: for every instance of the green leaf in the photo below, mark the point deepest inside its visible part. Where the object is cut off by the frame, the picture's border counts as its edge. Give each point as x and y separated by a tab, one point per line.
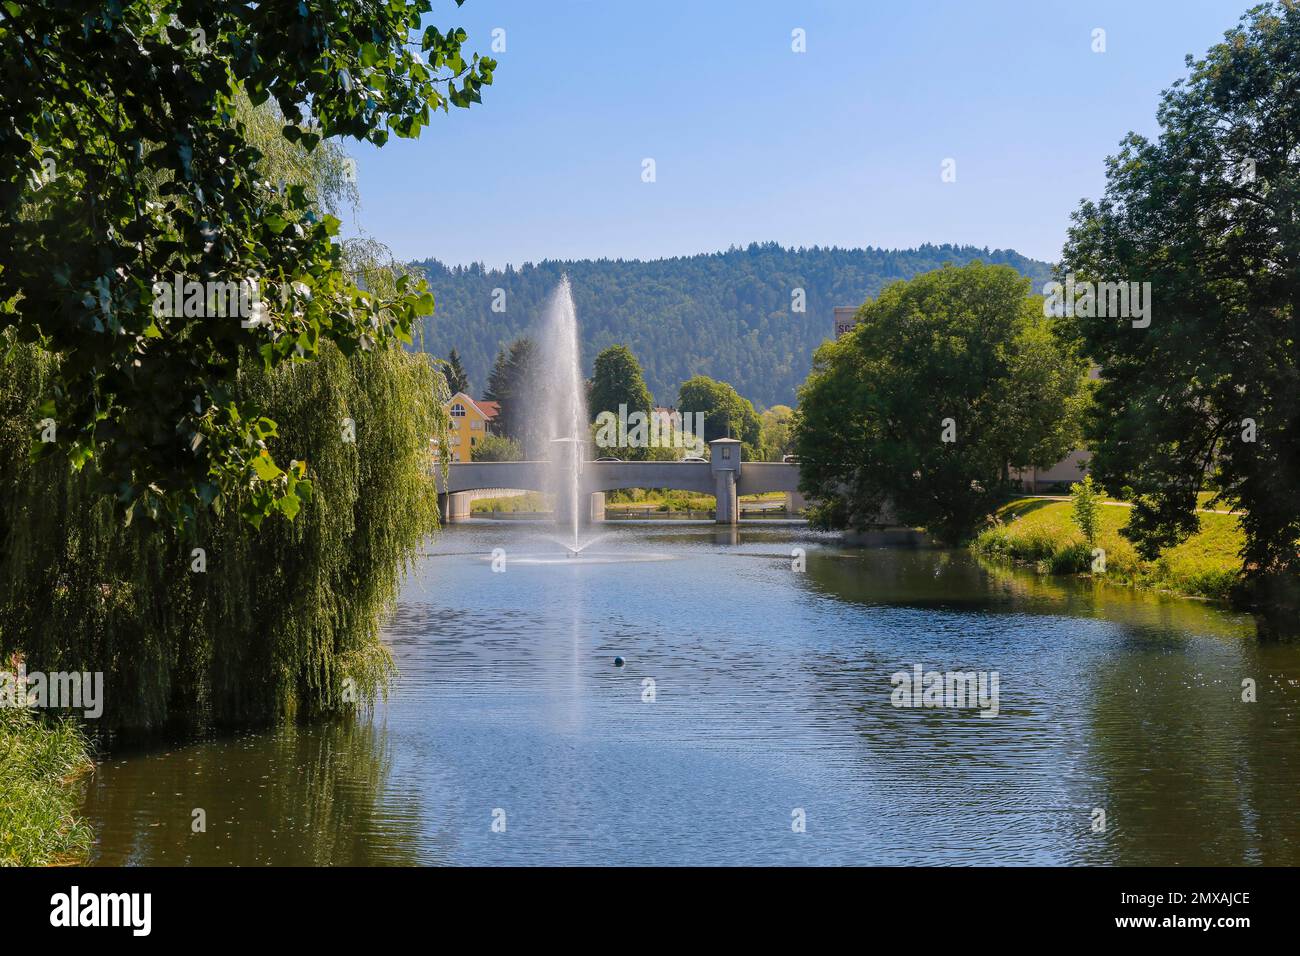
266	468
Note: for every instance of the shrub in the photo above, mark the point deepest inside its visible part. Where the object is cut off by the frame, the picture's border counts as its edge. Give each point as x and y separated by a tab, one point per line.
497	448
38	760
1074	558
1085	504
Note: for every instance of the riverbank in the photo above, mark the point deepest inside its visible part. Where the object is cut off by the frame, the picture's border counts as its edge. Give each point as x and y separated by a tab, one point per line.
635	501
1040	532
40	764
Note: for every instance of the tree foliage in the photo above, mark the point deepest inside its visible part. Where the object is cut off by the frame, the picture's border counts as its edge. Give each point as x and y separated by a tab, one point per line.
253	626
726	413
778	435
617	381
948	381
454	372
511	383
496	448
217	621
1085	508
1206	213
124	163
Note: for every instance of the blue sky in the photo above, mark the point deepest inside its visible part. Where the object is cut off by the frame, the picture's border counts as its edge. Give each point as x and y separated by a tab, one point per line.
841	145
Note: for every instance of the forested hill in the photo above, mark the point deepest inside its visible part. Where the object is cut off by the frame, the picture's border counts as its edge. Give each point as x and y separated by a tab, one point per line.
727	315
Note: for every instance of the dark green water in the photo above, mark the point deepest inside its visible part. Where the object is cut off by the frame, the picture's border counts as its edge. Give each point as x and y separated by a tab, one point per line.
771	695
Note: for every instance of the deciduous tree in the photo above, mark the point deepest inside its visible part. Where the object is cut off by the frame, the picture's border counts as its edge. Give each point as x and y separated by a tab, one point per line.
947	382
124	164
726	413
1207	213
617	381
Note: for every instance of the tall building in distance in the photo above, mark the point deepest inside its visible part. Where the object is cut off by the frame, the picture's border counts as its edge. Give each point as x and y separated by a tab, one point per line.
845	319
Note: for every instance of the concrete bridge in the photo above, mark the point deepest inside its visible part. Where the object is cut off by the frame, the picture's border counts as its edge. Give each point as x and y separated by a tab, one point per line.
723	475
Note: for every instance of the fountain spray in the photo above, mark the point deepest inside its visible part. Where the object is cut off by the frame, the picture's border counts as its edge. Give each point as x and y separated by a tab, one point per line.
562	403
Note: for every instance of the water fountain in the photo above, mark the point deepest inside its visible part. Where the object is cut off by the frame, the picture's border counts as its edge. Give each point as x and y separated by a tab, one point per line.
555	411
557	427
561	406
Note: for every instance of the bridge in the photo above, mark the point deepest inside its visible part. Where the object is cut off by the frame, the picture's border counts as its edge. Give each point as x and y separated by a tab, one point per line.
724	476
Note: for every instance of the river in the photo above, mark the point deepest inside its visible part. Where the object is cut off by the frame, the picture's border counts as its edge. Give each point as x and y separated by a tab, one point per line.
751	721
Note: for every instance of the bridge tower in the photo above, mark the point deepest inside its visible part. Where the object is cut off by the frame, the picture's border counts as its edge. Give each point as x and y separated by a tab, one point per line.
724	462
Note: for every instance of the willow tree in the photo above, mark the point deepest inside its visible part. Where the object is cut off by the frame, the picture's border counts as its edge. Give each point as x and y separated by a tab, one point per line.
220	620
227	624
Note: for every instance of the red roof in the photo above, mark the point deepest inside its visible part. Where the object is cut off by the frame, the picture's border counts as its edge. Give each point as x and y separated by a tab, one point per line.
490	410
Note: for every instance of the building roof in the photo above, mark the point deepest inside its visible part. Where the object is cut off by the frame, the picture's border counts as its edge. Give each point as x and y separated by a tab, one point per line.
488	410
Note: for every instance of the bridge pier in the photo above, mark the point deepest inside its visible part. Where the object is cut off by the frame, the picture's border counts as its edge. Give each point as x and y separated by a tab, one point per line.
597	506
454	508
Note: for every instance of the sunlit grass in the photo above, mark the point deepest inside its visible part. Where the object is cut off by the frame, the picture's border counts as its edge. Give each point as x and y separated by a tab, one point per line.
628	500
39	764
533	501
1041	532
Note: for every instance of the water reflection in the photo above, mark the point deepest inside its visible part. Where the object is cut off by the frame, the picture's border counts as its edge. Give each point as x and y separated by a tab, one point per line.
303	796
770	693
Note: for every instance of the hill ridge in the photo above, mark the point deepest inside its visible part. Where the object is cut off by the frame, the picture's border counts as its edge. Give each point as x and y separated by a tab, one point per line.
727	314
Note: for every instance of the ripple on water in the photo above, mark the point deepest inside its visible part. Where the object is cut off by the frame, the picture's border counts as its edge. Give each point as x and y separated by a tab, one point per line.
751	691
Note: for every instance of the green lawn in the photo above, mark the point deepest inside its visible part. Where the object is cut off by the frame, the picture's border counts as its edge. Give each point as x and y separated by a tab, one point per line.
39	764
532	502
629	500
1041	532
641	500
658	500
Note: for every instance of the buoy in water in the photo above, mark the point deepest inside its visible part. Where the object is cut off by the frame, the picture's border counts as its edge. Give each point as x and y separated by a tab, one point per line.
618	662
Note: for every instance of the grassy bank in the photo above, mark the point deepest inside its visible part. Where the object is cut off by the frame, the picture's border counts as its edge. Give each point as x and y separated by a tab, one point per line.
668	502
680	501
1040	532
628	500
532	502
39	764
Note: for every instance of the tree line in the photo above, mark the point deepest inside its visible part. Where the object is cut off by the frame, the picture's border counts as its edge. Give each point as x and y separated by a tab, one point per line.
750	316
618	388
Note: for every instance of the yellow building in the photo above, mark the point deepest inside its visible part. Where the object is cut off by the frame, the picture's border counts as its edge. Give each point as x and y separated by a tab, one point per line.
470	421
